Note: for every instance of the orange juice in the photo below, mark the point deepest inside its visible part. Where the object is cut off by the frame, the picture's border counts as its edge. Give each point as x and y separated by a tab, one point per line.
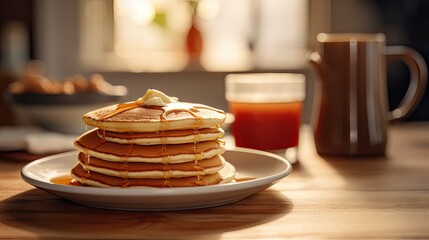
266	126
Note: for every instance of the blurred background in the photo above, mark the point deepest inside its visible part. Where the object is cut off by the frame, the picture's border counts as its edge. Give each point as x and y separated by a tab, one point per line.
185	48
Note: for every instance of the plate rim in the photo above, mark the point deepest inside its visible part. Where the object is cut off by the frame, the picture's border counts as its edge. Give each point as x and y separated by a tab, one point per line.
156	192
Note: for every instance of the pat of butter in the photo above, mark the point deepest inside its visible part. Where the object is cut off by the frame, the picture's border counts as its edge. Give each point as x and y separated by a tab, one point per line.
157	98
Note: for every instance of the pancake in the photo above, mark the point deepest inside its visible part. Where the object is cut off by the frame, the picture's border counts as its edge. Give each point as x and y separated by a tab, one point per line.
162	137
138	118
154	141
100	180
90	143
152	170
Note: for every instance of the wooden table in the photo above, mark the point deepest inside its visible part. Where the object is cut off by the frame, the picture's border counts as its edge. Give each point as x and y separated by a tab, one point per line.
378	197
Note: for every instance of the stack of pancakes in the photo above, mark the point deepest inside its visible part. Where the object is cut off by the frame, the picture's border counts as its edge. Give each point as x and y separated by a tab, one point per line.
136	145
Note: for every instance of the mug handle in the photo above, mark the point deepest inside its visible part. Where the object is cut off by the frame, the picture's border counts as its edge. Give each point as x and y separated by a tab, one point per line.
418	75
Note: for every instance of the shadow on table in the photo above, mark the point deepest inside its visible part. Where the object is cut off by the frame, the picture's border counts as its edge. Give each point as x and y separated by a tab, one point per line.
46	215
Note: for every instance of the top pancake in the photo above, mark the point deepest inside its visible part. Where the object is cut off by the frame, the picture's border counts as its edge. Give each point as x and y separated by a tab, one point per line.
135	117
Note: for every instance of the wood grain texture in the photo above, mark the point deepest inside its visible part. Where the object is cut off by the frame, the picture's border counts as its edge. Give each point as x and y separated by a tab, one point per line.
324	197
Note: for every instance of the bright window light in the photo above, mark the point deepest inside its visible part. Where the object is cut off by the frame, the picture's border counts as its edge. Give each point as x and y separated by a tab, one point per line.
239	35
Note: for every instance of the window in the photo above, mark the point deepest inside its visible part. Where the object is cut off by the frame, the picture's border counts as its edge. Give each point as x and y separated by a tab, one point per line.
152	35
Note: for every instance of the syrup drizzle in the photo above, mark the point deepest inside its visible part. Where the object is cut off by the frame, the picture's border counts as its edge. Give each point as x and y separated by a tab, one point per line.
122	107
87	160
103	134
167	178
66	180
169	108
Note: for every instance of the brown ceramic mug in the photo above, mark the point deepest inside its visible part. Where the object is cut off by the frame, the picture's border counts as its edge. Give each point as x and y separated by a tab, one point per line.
351	107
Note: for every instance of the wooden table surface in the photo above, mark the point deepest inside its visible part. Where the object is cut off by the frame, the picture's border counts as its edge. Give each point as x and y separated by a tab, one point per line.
377	197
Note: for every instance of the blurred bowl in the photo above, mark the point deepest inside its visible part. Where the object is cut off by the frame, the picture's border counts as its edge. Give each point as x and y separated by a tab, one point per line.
59	112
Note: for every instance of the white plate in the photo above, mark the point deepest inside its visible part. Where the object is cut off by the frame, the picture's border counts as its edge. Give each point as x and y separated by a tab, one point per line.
265	168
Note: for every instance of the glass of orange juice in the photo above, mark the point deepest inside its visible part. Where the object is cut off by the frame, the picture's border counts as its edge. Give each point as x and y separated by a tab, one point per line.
267	109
